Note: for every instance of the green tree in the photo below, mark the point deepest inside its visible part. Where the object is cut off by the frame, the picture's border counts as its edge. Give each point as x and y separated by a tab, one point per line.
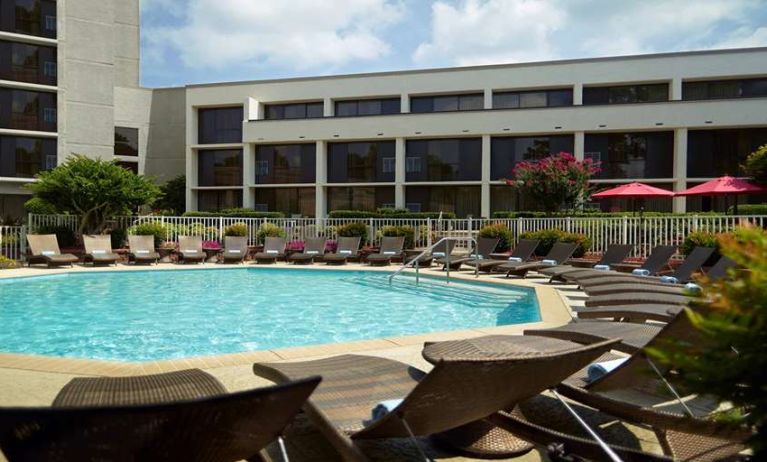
94	189
173	196
756	165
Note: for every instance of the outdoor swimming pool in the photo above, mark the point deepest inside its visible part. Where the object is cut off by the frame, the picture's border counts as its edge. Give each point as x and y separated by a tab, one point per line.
165	314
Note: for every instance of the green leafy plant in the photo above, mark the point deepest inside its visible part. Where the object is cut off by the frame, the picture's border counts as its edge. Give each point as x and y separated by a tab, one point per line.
236	213
7	263
750	209
756	165
549	236
154	228
269	230
499	231
64	235
388	213
355	229
173	196
236	229
118	236
394	231
698	239
94	189
39	207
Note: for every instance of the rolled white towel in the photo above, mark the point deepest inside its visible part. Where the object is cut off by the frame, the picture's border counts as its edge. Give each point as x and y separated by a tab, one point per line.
99	252
669	280
389	252
142	252
344	252
548	262
311	252
602	267
515	259
438	254
640	272
597	370
272	252
48	253
693	288
385	407
189	251
233	250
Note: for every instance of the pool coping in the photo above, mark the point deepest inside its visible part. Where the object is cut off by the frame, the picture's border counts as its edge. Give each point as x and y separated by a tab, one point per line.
552	305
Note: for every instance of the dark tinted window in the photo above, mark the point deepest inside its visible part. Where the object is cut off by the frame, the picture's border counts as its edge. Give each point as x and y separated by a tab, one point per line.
24	157
126	141
290	201
219	125
294	111
504	198
444	103
212	201
720	89
461	200
29	17
27	63
444	160
506	152
367	107
286	163
221	167
360	197
632	155
713	153
645	93
538	98
361	162
27	110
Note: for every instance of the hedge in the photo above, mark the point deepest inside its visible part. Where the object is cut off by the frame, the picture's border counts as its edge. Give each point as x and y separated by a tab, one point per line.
356	229
501	232
549	236
388	213
393	231
532	214
750	209
236	213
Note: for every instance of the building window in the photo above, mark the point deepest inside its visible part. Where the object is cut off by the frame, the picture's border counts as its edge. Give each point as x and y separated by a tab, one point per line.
215	200
644	93
444	160
29	17
29	110
221	167
310	110
537	98
633	155
446	103
219	125
713	153
461	200
507	151
285	163
367	198
126	141
290	201
24	157
722	89
361	162
363	107
21	62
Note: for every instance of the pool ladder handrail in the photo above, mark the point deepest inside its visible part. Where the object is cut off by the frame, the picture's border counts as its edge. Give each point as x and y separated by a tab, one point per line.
415	260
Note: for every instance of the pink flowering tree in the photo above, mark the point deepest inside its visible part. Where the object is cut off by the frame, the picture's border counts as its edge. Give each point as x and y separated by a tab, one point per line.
556	182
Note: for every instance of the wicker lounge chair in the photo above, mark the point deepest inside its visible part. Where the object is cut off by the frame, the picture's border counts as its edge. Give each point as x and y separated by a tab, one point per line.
45	249
441	250
98	249
185	415
274	248
633	336
235	249
190	249
636	297
633	313
485	246
522	253
391	246
615	253
346	248
558	254
454	393
656	262
142	249
314	247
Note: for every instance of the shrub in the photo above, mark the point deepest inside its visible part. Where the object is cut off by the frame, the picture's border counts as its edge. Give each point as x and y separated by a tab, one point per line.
236	229
750	209
549	236
118	237
64	235
698	239
756	164
236	213
393	231
39	207
388	213
173	196
150	228
501	232
356	229
7	263
269	230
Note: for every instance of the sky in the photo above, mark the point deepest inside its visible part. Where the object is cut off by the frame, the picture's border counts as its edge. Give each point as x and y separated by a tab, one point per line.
200	41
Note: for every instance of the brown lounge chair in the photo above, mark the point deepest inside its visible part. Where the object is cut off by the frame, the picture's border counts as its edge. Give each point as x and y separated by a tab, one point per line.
190	249
45	249
453	394
441	250
142	250
615	253
274	248
558	254
391	246
235	249
656	262
522	253
346	248
184	415
98	249
485	246
314	247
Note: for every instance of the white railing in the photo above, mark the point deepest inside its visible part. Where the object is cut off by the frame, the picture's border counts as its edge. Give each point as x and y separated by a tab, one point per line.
643	233
13	242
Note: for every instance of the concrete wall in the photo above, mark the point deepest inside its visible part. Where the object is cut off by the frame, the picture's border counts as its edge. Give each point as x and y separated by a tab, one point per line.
166	146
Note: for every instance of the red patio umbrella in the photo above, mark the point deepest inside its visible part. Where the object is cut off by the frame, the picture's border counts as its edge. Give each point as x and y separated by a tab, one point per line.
724	186
633	191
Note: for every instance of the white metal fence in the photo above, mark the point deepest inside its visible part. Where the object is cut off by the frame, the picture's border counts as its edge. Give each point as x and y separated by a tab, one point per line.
643	233
13	242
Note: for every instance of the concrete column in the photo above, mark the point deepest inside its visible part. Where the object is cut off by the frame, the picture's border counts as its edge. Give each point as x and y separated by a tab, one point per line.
579	144
327	108
578	94
405	103
680	168
191	179
321	174
485	168
254	110
248	174
399	173
676	89
488	98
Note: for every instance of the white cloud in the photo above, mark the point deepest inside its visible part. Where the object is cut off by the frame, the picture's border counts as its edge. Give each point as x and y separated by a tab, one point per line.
299	34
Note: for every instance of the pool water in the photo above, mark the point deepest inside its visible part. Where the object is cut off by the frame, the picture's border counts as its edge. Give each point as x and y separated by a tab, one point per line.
152	315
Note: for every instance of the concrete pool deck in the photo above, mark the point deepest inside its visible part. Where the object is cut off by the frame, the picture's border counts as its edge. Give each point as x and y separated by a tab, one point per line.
30	380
